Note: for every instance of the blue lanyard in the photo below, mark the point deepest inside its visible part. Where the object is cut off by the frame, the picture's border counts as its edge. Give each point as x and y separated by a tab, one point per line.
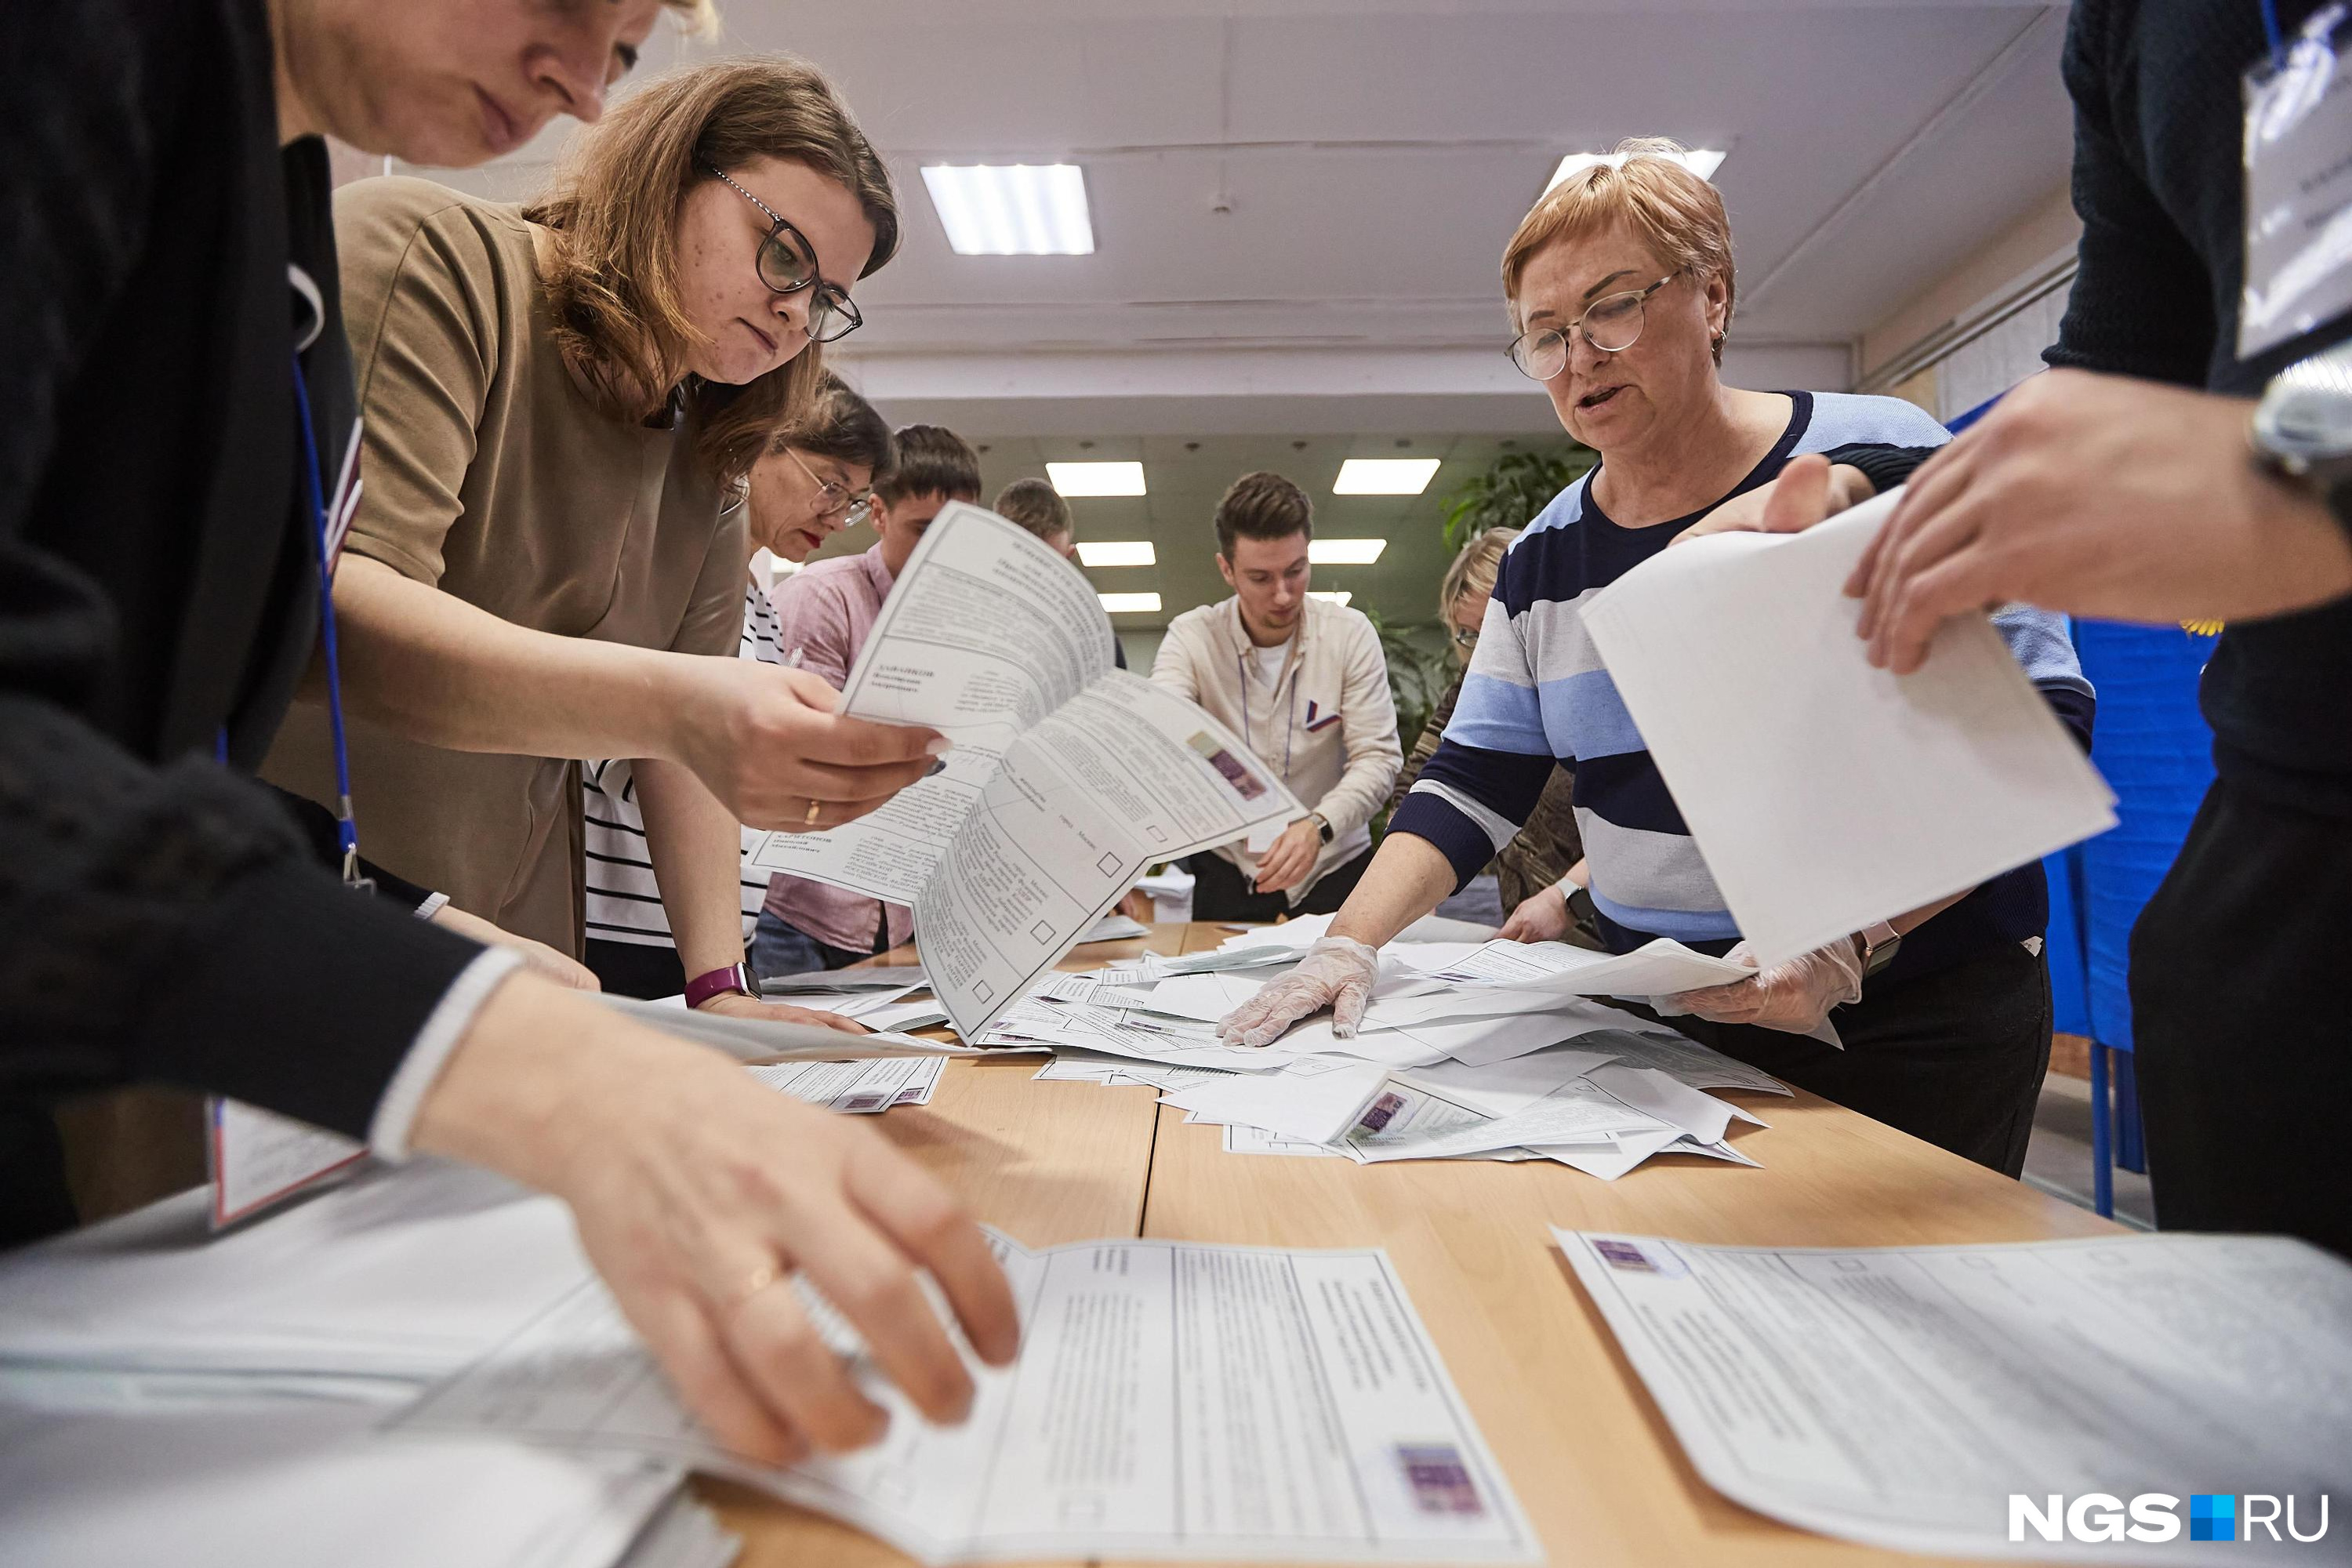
2270	31
347	832
1290	736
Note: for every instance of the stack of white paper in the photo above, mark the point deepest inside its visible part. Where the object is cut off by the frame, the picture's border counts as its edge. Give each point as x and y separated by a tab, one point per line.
1827	795
1170	1400
856	1089
307	1484
1917	1397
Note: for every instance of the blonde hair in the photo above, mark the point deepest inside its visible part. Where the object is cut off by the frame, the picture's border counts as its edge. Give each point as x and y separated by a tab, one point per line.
614	208
1678	215
1474	569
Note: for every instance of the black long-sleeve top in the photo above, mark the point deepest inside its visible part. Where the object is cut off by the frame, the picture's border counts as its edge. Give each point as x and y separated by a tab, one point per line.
2159	183
162	917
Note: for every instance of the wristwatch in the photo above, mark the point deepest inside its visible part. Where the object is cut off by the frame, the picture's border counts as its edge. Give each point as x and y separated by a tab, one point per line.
1880	943
2301	430
736	978
1322	825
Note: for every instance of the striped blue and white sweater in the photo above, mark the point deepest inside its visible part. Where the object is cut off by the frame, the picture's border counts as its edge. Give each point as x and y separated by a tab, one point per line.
1537	693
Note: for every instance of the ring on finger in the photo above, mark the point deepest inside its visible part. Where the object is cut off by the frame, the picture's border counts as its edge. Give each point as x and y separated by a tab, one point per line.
763	1278
815	806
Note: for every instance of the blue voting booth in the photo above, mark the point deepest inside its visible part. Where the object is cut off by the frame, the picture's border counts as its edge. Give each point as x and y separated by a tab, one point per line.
2157	754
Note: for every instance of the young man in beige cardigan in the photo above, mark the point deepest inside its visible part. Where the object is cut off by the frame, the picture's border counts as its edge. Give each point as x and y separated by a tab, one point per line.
1304	683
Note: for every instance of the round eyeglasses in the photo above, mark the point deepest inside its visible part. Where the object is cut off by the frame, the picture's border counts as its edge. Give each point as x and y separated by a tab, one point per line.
787	264
1612	324
831	497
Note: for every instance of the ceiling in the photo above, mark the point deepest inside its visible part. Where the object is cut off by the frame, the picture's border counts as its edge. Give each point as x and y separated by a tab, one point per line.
1299	206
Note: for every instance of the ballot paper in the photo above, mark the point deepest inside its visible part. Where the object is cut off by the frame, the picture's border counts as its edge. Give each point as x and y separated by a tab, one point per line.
1241	1140
257	1158
1115	928
856	1088
1824	794
403	1271
1172	1400
778	1039
1657	968
1907	1397
901	978
296	1486
1069	776
1312	1100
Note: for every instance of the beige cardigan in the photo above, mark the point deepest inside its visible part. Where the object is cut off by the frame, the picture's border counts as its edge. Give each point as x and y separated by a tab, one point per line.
490	475
1334	666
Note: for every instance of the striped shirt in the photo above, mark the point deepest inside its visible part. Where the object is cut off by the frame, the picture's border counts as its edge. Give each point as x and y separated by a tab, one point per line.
1537	693
623	900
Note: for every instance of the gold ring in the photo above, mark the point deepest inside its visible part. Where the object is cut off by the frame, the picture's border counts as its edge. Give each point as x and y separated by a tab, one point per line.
759	1279
815	806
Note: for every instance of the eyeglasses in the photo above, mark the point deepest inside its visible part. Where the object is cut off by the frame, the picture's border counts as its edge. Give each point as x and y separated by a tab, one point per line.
787	264
1465	637
1612	324
831	497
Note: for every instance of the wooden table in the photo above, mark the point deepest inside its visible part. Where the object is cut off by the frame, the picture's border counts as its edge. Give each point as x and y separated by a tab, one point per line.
1590	1458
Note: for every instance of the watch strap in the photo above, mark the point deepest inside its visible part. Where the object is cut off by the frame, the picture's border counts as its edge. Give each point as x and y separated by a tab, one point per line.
1322	825
1880	942
736	979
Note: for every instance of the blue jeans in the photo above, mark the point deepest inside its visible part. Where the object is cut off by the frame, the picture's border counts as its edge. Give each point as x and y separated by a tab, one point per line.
780	947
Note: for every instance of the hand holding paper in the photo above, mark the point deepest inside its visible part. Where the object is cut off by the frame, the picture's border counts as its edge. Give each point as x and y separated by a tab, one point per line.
1824	794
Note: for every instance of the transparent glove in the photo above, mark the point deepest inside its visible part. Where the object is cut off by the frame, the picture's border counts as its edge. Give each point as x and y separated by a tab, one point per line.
1795	997
1337	973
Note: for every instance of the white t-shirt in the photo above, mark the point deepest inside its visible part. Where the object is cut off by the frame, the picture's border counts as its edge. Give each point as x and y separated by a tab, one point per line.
623	900
1270	661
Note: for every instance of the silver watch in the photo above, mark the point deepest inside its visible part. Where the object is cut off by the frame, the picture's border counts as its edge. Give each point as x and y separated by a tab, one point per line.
2301	430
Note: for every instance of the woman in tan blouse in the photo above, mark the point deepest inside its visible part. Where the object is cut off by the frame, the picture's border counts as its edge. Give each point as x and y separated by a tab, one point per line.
556	398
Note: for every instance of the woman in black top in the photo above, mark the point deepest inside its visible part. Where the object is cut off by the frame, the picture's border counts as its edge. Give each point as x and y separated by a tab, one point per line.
162	917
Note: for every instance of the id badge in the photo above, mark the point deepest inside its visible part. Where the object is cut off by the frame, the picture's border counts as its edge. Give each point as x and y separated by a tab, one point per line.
2298	180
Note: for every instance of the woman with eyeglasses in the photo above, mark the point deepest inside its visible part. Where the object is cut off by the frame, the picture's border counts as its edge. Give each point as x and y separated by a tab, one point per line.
559	402
1620	285
815	480
1546	852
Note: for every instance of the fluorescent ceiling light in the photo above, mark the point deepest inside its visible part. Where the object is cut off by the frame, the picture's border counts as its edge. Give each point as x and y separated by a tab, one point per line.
1345	551
1097	478
1384	475
1342	597
1129	604
1700	161
1012	209
1116	552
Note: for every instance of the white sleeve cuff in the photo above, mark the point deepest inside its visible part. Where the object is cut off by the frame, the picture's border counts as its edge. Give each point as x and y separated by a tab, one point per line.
444	1027
433	905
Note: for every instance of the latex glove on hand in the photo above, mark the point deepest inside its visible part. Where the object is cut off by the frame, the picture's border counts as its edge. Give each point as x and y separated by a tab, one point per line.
1337	973
1794	997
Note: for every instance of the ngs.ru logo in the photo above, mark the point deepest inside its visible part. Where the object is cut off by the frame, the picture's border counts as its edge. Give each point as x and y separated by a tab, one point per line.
2155	1516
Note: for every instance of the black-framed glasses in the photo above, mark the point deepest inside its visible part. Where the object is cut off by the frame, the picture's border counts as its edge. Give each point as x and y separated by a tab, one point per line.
831	496
787	264
1612	324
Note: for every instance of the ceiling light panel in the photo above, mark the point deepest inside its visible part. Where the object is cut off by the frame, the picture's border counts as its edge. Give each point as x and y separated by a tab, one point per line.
1129	604
1384	475
1700	161
1097	478
1345	551
1342	597
1012	209
1118	553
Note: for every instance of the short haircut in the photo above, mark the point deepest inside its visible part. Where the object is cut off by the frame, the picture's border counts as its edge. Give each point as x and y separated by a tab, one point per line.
932	461
1261	506
840	424
1036	506
1475	570
1679	215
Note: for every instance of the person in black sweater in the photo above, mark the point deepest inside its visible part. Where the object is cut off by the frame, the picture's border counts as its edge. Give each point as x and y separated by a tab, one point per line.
162	916
2122	485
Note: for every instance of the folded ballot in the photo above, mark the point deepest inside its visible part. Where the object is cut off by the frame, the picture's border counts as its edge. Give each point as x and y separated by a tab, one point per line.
1824	794
1068	777
1172	1400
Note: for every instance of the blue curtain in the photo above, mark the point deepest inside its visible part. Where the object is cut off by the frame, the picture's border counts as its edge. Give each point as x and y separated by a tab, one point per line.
2158	755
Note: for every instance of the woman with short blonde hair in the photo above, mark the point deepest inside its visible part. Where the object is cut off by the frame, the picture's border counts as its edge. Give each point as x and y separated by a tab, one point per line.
560	399
1620	287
